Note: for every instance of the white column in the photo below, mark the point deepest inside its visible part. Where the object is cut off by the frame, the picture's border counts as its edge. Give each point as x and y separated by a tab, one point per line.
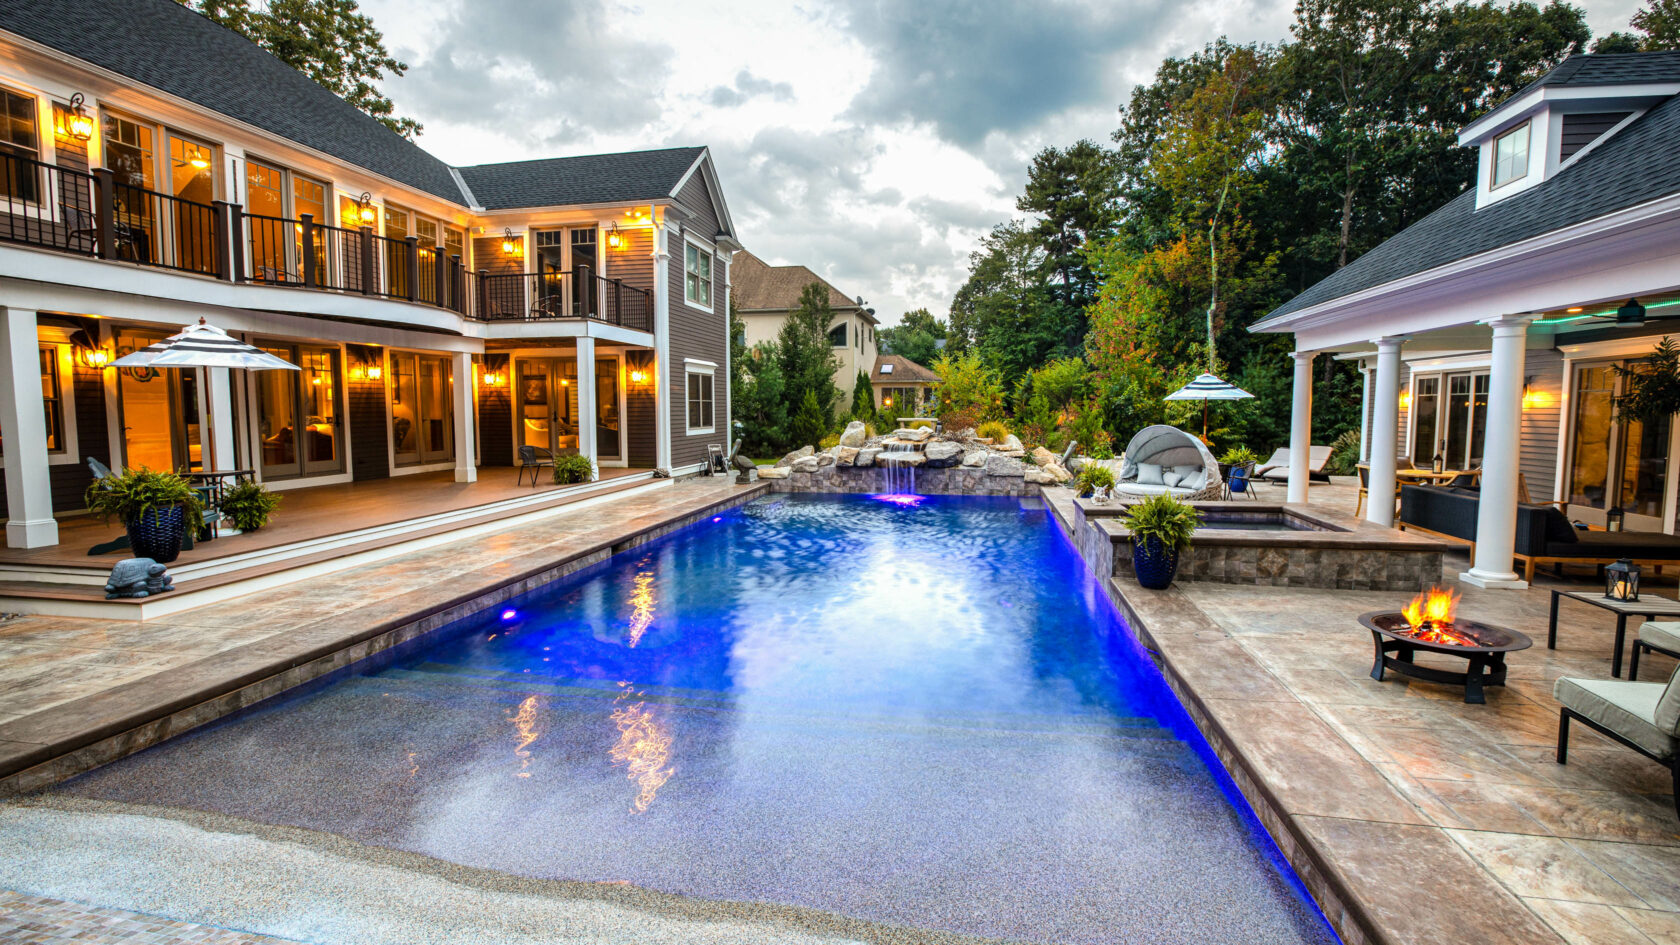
23	419
728	358
219	391
1496	512
586	397
1300	427
663	385
466	433
1364	412
1385	433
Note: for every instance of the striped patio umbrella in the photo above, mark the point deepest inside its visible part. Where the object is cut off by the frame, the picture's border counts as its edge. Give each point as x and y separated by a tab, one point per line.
204	346
1204	388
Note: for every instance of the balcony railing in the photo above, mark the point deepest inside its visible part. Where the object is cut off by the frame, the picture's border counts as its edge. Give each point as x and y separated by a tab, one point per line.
92	214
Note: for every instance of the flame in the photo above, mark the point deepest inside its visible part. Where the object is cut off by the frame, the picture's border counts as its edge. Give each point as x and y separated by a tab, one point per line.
525	728
643	749
1432	608
641	603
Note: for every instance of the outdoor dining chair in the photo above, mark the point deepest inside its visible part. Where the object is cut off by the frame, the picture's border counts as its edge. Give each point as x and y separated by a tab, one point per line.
533	458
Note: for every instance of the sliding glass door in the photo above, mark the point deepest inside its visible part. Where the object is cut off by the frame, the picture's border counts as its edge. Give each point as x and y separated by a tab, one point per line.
1449	418
421	427
298	419
1614	463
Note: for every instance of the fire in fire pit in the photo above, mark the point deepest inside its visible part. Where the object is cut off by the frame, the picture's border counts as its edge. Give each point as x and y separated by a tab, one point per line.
1430	618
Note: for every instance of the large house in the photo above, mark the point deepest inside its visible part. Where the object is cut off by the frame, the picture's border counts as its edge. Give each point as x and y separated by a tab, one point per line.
160	169
765	294
1491	332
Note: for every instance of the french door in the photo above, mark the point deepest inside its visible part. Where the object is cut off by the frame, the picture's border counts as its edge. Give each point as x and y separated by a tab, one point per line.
1449	418
1614	463
548	406
159	411
298	419
422	427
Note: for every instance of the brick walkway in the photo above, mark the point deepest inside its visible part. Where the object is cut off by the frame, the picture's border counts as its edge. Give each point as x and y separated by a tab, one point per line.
38	920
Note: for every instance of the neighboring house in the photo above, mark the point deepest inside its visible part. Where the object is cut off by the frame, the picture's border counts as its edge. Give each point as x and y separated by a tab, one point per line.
901	386
1490	332
765	294
160	169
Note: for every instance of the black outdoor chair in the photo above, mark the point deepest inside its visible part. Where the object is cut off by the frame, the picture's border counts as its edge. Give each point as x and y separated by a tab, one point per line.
533	458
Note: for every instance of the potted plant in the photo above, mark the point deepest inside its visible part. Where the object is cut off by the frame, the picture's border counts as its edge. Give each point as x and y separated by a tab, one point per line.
155	507
1091	478
248	505
573	468
1234	457
1161	528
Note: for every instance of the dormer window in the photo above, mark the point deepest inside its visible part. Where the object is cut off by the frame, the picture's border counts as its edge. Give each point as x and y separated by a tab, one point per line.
1510	155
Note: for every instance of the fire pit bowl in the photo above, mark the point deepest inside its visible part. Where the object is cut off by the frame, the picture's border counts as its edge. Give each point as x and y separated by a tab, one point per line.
1484	645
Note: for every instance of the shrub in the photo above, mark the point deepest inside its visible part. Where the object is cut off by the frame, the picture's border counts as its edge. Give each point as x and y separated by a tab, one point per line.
995	430
809	421
829	442
1084	426
1239	454
914	424
1344	455
969	392
248	505
1165	518
129	496
1093	477
573	468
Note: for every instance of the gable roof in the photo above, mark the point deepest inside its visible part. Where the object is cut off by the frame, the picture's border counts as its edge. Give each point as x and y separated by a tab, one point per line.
902	369
629	177
1637	165
757	286
1610	69
162	44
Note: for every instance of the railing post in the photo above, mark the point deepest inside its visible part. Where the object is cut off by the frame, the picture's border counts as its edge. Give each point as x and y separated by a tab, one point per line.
105	211
223	234
236	229
482	297
438	273
412	265
618	301
367	260
311	278
456	299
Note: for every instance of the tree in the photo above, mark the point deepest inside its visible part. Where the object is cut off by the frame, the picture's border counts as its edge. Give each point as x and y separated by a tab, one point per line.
863	398
331	41
918	336
810	423
1074	193
1006	312
1660	22
807	359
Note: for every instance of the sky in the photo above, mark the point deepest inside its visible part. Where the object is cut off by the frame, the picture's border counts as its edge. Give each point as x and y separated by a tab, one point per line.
875	143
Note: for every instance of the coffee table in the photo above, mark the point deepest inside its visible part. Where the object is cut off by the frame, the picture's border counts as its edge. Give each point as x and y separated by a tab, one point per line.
1646	607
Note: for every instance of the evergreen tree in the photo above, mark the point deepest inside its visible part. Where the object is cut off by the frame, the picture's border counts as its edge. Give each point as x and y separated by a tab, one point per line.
1074	194
807	359
810	423
917	336
863	399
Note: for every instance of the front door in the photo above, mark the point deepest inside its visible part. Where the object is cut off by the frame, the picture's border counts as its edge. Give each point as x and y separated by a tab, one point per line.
548	403
149	399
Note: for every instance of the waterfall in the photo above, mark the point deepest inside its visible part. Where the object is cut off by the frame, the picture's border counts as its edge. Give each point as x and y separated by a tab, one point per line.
898	477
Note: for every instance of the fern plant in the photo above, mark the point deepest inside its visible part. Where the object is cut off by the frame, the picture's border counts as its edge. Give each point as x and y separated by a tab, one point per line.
1344	454
248	505
131	495
1164	518
1239	454
573	468
1093	477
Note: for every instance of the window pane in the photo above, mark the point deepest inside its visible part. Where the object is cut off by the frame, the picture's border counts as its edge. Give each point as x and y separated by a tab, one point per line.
1426	407
1644	450
1589	465
51	397
277	417
1510	156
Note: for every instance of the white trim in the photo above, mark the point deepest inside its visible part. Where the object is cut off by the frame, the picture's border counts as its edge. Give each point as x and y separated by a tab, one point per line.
711	278
1609	133
692	369
1513	109
1452	363
1615	347
697	365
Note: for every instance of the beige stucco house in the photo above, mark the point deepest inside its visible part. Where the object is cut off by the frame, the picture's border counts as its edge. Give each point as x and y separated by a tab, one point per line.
765	294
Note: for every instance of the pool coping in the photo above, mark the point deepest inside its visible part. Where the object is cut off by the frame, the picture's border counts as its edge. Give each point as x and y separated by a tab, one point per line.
49	746
1416	885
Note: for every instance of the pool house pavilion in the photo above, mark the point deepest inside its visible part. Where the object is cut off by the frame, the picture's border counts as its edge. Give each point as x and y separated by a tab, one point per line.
1497	332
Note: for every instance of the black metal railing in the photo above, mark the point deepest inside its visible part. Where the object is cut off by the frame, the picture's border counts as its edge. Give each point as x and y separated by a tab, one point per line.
557	294
46	205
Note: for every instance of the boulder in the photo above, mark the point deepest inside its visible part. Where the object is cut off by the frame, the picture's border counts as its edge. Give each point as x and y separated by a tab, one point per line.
1005	466
825	459
913	434
1054	472
845	455
910	458
774	472
854	435
1043	457
866	456
974	458
806	464
941	454
800	453
1010	444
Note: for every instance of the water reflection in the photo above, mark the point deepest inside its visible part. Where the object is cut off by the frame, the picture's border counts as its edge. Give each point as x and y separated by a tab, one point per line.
525	729
643	750
641	604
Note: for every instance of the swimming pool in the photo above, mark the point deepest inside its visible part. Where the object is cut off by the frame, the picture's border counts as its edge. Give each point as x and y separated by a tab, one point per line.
923	715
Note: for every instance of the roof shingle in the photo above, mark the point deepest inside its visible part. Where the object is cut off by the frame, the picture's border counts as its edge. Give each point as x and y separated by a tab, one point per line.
756	286
630	177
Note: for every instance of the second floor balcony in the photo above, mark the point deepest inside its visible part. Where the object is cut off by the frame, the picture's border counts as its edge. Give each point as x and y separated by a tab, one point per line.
94	214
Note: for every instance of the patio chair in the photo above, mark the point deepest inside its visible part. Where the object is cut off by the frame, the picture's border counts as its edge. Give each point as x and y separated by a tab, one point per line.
533	458
1655	636
1163	459
1276	469
1240	481
1644	716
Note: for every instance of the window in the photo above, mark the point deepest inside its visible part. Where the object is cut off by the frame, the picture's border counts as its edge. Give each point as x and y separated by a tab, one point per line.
128	152
455	244
697	267
18	138
837	336
1510	156
701	418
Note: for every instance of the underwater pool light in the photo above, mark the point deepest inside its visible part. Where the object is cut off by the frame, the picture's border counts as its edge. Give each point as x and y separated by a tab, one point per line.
509	614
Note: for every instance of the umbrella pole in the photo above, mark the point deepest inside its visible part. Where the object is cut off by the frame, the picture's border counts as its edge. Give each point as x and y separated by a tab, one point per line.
207	424
1204	420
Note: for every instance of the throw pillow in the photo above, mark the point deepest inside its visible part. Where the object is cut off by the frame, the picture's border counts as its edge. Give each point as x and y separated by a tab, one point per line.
1171	477
1149	474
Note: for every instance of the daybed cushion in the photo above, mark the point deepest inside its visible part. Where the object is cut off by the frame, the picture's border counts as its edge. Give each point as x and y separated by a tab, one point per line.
1647	546
1630	709
1150	474
1662	633
1135	488
1171	477
1185	472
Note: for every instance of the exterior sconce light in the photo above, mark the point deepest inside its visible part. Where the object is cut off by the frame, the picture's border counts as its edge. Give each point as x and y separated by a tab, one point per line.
1405	400
1613	520
1534	399
1621	581
886	401
364	209
638	377
510	246
95	358
1631	313
78	124
366	372
614	239
493	379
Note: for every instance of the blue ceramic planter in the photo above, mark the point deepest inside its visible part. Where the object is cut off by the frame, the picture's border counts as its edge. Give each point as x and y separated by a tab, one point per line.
1154	562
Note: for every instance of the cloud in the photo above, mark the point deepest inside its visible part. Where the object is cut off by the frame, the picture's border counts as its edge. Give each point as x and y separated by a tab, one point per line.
970	69
747	87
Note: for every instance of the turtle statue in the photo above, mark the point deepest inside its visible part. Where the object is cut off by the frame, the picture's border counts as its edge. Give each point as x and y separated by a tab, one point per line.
137	577
745	470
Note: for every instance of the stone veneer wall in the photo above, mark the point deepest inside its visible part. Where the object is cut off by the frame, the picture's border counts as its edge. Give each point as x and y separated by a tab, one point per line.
1341	568
954	480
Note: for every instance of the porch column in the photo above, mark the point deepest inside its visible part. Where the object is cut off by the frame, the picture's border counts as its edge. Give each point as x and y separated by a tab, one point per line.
1300	427
219	390
1496	512
23	419
466	423
586	397
664	380
1385	433
1364	412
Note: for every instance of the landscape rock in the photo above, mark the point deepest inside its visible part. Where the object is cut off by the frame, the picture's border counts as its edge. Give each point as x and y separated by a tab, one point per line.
1010	444
1044	457
854	435
974	458
942	453
913	434
866	456
825	459
774	472
806	463
845	455
800	453
1004	466
1054	472
909	458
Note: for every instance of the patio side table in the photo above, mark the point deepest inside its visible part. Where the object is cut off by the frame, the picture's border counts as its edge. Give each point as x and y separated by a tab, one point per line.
1646	607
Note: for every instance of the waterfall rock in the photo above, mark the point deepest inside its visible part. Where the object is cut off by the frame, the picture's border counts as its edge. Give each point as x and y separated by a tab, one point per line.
866	456
806	463
913	434
902	458
974	458
1043	457
797	454
942	453
845	455
825	459
854	435
774	472
1005	466
1049	474
1011	445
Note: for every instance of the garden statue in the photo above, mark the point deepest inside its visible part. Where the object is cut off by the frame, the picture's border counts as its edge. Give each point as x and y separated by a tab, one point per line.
745	470
1100	495
137	577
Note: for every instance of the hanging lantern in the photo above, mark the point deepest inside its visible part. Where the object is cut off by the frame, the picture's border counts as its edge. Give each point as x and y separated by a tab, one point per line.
79	124
614	239
1613	520
1621	581
364	209
510	246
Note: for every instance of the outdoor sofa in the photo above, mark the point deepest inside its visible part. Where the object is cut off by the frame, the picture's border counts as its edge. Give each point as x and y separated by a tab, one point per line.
1166	460
1544	534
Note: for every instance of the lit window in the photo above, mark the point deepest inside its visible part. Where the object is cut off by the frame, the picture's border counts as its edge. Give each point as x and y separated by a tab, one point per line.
18	139
1510	156
701	406
697	267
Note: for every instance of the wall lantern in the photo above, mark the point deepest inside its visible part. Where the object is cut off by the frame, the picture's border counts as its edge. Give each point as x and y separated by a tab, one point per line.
1534	399
638	377
364	209
1621	580
366	372
1631	313
614	239
88	351
494	379
1405	400
1613	519
79	124
886	401
510	245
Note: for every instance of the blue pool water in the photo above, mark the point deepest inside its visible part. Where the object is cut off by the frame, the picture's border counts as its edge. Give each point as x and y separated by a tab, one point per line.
926	715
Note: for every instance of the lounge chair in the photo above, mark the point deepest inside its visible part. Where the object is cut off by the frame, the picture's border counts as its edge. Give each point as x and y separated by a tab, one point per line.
1644	716
1655	636
1163	459
1276	469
